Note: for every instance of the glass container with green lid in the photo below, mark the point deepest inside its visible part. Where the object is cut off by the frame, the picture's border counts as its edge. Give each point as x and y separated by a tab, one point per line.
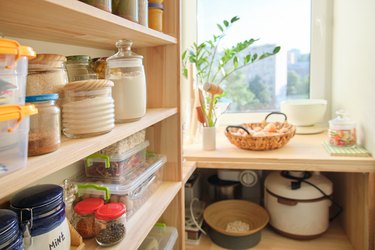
79	68
342	130
125	69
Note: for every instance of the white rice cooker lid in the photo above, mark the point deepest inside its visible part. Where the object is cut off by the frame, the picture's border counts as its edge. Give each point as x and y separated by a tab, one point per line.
281	186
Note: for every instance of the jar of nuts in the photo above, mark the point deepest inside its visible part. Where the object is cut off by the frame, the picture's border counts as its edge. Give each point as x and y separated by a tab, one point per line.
84	216
110	221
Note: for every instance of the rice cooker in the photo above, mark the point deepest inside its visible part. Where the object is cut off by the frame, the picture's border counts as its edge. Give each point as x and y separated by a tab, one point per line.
297	208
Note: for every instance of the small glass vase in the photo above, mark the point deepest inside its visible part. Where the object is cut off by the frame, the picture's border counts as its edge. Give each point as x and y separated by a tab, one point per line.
209	138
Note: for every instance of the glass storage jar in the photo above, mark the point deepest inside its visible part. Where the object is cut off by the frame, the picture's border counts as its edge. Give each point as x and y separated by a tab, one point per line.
98	65
46	75
84	216
41	212
110	221
44	134
10	235
78	68
125	69
88	108
143	12
126	8
105	5
342	131
70	191
155	16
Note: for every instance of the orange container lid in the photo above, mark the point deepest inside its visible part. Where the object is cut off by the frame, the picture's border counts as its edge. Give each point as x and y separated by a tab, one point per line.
16	112
12	47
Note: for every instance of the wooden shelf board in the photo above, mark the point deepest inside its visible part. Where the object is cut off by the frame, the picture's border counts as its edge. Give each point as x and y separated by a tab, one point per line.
144	219
303	152
188	167
73	150
334	238
74	22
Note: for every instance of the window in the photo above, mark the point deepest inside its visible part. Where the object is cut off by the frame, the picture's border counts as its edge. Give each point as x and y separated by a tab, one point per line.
297	71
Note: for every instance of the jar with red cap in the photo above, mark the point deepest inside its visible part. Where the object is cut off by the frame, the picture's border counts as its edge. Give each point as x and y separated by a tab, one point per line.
110	220
84	216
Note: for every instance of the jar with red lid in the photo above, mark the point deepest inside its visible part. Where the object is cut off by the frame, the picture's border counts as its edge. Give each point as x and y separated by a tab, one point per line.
84	216
110	220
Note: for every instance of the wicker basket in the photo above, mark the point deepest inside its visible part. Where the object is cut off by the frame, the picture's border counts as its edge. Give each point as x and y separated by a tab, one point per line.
244	137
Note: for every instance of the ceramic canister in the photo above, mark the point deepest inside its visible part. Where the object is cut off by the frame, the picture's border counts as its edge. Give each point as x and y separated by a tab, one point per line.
10	236
41	212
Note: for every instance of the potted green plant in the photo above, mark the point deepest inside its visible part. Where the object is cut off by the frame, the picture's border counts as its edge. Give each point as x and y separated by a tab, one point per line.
212	68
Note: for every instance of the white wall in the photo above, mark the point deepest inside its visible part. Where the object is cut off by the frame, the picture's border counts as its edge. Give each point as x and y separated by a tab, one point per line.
353	65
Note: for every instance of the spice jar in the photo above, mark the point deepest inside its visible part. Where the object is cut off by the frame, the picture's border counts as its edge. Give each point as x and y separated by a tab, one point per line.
70	191
41	213
110	220
155	16
105	5
44	134
143	12
10	235
84	216
126	70
78	68
127	9
46	75
342	131
88	108
98	65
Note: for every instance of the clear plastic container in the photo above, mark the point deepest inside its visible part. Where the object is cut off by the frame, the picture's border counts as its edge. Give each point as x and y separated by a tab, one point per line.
114	166
44	134
155	16
47	75
126	8
342	131
13	71
14	129
88	108
84	216
134	188
161	236
79	68
110	220
126	70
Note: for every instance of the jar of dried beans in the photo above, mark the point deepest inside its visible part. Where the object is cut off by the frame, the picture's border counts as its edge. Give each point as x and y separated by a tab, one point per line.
110	221
44	134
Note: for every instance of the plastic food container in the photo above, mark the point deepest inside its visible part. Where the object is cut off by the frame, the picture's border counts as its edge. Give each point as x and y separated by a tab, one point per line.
79	68
13	71
41	212
342	131
125	144
125	69
114	166
110	221
88	108
160	237
105	5
10	235
44	134
47	75
155	16
134	188
14	129
84	216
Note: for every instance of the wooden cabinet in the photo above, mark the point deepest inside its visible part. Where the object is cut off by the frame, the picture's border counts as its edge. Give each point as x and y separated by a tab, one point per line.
75	23
353	181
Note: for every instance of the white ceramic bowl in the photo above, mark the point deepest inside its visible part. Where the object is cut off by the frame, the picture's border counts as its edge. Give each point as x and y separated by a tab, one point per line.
304	112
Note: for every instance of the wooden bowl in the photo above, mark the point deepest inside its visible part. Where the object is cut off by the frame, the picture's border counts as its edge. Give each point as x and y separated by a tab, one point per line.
219	214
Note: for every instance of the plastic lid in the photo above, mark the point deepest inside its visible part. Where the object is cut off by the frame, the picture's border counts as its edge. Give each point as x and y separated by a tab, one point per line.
12	47
41	198
78	58
110	211
156	5
88	206
16	112
42	98
279	185
8	225
165	236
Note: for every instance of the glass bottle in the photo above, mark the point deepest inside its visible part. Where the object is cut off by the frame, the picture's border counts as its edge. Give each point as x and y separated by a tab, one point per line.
125	69
44	134
342	131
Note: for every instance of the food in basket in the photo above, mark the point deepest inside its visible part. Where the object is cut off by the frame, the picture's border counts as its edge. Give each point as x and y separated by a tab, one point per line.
261	136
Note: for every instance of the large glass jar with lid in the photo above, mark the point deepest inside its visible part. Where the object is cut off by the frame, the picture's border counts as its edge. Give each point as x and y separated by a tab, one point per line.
125	69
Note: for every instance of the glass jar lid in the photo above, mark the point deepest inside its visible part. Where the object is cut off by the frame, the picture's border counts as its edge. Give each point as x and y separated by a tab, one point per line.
124	51
110	211
42	98
88	206
342	121
78	58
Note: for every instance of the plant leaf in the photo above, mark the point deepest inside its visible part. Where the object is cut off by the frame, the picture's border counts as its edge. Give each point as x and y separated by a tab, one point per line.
226	23
234	19
276	50
220	27
235	62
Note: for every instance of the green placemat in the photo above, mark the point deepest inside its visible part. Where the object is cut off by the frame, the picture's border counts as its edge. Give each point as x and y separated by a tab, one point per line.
356	150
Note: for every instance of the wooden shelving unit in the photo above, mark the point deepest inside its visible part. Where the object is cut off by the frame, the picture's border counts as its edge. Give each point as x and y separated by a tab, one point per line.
72	22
